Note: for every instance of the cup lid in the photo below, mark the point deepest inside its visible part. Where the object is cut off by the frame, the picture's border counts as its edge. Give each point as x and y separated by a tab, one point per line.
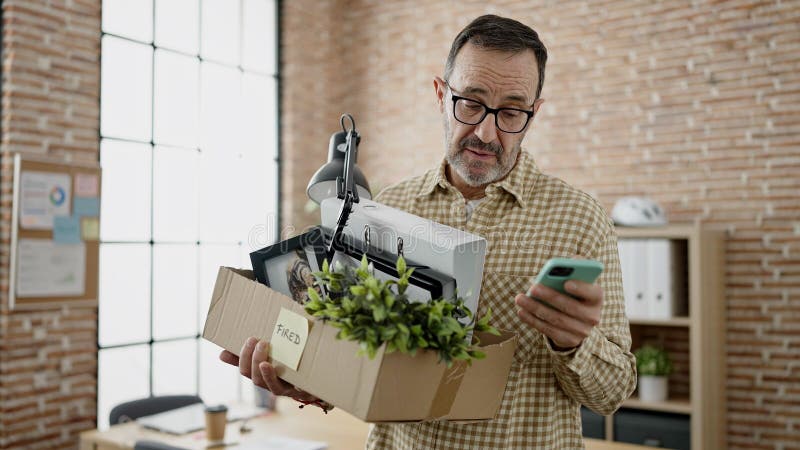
216	408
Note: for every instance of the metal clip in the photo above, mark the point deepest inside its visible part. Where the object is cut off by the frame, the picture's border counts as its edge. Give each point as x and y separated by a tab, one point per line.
399	246
367	236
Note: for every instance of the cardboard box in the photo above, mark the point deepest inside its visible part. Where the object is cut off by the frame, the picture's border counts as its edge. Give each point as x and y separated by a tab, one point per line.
391	387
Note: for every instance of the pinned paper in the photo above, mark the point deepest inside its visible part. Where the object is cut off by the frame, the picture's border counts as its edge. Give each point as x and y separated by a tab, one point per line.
86	206
66	230
289	338
43	195
47	269
90	228
86	185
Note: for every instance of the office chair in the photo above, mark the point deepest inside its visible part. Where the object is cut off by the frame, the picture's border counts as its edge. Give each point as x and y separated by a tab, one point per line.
132	410
154	445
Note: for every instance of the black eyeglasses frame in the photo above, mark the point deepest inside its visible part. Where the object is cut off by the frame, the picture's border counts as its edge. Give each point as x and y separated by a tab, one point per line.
487	110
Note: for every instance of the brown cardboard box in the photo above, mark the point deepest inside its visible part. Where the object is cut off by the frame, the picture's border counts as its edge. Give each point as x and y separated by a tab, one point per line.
391	387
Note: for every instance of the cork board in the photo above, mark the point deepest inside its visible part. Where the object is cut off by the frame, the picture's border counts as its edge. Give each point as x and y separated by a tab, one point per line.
55	233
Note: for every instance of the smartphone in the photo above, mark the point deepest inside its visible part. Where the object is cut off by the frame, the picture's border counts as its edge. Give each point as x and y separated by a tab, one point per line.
558	270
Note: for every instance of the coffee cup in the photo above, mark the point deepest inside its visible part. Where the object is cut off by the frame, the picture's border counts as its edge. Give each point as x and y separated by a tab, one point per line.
216	420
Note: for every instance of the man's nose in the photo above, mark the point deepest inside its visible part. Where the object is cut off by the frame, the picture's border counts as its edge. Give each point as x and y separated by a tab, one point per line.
487	129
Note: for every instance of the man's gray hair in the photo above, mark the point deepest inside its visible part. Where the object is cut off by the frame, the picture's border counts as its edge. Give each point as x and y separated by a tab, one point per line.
499	33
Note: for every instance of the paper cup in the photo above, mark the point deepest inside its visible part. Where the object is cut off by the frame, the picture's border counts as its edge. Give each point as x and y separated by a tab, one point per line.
216	420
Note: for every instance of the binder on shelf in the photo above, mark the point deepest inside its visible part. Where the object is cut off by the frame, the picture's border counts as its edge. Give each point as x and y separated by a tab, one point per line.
632	256
665	268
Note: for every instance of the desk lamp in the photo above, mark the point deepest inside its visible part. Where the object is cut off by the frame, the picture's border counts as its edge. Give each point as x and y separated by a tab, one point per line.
340	171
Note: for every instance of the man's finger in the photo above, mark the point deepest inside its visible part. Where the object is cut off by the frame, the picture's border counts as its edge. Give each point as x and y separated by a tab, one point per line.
246	356
274	384
260	354
228	357
591	294
556	318
580	308
280	387
551	297
561	338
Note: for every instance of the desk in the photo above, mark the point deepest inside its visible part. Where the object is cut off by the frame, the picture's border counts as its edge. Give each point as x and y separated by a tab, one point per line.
340	430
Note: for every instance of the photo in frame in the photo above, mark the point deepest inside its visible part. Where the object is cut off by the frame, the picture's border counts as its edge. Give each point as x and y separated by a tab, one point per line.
288	266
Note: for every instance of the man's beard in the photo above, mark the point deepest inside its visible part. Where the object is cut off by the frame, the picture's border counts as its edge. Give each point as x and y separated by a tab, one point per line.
500	169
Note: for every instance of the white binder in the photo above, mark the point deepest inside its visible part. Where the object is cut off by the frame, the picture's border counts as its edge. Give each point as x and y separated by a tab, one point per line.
633	257
665	267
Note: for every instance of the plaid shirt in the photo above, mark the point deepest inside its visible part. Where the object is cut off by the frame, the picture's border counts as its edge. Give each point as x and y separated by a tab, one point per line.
528	218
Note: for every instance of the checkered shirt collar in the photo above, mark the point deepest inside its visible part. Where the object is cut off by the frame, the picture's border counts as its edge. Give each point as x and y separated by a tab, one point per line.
521	178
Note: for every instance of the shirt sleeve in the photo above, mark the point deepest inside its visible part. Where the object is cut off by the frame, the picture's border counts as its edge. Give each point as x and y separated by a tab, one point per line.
601	372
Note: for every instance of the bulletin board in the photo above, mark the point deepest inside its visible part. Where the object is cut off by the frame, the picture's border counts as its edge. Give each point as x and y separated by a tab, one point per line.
55	233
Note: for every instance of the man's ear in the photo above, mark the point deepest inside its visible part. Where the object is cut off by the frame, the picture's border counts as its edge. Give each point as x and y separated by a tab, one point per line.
440	86
536	104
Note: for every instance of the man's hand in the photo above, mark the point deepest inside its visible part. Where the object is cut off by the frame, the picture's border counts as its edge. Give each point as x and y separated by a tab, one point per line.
568	319
253	364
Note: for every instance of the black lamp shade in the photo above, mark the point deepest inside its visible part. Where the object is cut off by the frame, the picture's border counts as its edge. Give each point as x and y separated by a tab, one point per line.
323	184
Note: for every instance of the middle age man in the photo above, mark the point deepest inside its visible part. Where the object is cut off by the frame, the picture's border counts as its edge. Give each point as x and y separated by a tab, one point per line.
575	351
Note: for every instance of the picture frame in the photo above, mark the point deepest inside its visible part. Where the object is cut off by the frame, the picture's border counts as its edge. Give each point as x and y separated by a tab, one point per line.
288	266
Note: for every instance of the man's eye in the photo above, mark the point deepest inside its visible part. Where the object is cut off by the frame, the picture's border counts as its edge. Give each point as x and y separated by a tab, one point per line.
510	113
472	106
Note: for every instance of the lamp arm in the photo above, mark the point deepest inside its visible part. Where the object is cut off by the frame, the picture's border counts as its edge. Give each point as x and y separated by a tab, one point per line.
345	186
350	157
344	215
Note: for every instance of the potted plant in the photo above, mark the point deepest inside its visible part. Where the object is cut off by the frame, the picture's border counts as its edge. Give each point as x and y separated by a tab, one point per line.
375	312
654	366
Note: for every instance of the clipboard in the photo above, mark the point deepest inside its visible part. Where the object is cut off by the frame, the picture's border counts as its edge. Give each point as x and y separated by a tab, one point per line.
47	223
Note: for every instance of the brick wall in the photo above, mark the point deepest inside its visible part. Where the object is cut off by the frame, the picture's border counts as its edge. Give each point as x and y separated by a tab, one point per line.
50	107
694	104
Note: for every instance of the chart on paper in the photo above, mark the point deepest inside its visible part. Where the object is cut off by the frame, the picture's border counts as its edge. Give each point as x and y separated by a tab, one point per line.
50	269
43	196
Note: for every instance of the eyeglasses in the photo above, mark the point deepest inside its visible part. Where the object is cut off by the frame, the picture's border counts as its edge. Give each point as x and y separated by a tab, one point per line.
472	112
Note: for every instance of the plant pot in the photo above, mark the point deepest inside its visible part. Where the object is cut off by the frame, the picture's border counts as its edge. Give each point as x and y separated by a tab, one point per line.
652	388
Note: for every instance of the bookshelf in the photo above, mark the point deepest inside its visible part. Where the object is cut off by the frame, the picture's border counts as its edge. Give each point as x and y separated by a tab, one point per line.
697	388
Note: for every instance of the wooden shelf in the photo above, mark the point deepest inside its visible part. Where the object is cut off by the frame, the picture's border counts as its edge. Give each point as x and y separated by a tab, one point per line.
703	326
678	405
680	231
674	322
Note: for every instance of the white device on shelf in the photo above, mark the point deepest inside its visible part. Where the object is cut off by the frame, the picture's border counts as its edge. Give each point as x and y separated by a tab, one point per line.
638	212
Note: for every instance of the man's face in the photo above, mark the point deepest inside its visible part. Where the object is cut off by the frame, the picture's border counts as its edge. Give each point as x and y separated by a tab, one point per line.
481	154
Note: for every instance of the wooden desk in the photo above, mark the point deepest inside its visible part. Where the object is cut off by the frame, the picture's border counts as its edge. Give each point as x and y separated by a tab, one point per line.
340	430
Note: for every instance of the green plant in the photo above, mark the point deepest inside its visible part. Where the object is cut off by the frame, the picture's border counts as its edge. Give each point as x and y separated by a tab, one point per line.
653	361
373	312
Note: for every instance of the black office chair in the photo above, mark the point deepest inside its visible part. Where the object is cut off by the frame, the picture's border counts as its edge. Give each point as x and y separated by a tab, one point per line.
154	445
125	412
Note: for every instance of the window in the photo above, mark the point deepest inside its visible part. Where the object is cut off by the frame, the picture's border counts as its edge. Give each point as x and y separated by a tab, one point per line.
189	151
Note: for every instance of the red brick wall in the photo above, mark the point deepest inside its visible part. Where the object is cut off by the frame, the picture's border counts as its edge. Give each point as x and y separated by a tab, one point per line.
50	107
692	103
